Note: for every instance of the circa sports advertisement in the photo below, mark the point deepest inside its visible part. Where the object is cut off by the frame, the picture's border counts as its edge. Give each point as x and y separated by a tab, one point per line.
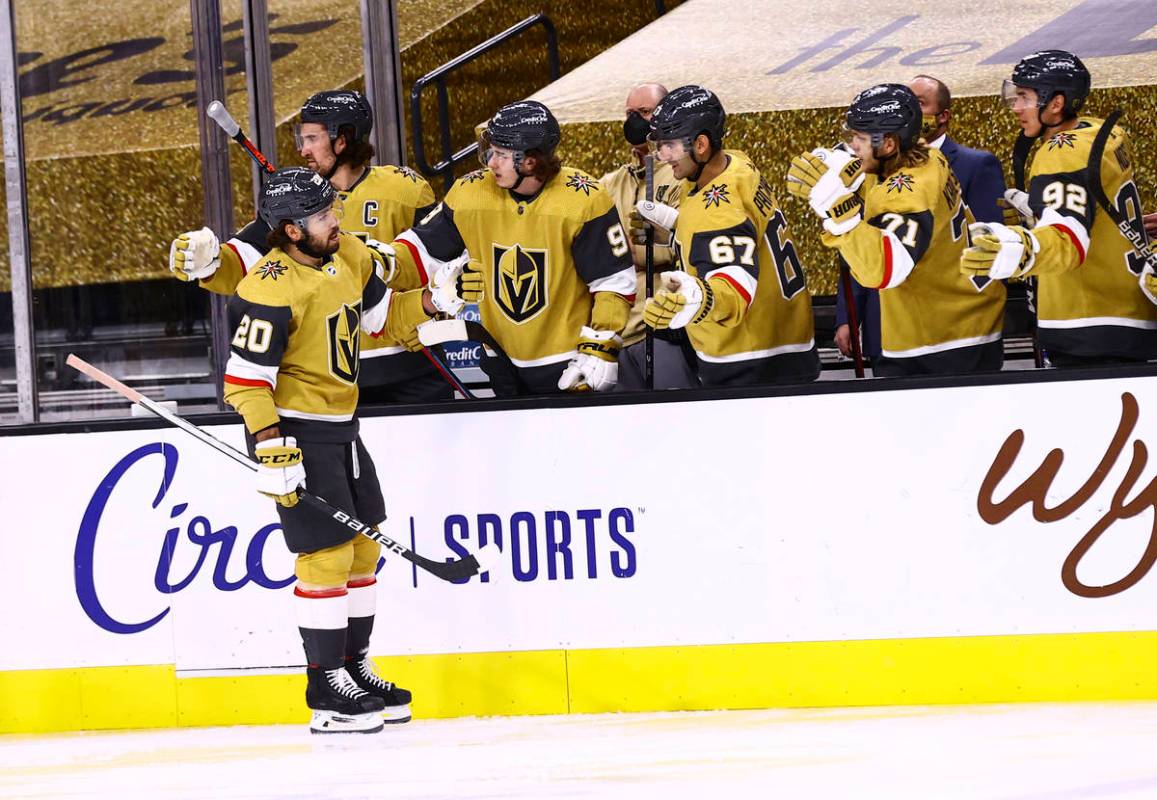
969	511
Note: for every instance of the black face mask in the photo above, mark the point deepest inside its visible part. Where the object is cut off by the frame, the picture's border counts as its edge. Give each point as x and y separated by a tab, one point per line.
636	129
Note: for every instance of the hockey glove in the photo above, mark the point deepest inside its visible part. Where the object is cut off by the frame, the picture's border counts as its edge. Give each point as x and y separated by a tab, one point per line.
597	364
385	260
1015	208
658	217
470	285
444	286
281	470
195	255
828	180
998	251
1148	283
683	300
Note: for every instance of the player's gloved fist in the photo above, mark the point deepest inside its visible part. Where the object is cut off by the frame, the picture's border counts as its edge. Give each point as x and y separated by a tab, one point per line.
281	471
195	255
683	300
597	364
828	180
1015	208
1148	283
385	260
470	286
658	217
998	251
444	286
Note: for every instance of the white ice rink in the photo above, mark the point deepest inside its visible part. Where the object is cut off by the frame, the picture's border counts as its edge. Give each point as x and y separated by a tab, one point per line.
1021	752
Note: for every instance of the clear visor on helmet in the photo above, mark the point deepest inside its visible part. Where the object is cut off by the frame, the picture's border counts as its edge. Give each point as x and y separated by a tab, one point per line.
313	135
1016	97
673	149
501	155
325	218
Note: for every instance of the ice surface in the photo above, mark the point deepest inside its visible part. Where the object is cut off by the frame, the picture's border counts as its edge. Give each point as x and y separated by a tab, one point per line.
1021	752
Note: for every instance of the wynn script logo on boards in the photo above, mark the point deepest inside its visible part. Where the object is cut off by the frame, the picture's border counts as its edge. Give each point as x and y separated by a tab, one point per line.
1035	488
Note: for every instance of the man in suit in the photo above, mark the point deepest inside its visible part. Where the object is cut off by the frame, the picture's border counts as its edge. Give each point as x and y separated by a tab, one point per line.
981	181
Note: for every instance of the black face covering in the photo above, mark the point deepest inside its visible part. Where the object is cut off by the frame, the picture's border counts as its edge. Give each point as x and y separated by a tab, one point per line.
636	129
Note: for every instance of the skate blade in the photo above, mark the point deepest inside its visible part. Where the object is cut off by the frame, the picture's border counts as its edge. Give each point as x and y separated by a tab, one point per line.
327	722
396	715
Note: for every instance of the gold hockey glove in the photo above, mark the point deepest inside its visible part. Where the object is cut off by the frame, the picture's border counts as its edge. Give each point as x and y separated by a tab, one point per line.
683	300
195	255
827	181
471	287
281	470
998	251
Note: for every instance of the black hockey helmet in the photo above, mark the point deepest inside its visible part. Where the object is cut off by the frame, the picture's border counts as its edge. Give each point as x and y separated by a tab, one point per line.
295	194
687	112
883	109
1049	73
337	109
526	125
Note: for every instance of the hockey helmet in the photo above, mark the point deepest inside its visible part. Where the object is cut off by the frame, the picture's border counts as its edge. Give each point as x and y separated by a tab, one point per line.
295	194
883	109
687	112
523	126
337	109
1049	73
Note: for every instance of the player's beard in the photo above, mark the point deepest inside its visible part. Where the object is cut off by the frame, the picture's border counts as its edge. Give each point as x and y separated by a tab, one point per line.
319	246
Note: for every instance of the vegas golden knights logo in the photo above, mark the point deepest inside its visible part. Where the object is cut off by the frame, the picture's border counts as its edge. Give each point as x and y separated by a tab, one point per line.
345	341
520	281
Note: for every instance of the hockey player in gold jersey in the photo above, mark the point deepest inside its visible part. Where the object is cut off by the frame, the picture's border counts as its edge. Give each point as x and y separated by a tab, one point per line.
296	322
1090	308
903	230
379	202
550	264
740	289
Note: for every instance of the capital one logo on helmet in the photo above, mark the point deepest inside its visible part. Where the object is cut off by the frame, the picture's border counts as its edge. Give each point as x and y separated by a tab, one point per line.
279	189
885	108
520	281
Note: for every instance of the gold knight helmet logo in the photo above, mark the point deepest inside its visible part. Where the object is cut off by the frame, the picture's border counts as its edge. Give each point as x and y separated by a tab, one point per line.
520	281
344	328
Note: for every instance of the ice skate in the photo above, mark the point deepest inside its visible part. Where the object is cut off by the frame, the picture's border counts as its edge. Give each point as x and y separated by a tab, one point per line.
339	705
397	699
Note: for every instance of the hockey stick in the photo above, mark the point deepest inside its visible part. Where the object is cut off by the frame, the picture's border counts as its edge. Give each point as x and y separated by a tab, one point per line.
217	112
1020	151
648	331
440	331
1135	236
853	321
446	570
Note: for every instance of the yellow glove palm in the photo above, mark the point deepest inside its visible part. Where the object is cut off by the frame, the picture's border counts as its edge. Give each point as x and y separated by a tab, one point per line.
471	287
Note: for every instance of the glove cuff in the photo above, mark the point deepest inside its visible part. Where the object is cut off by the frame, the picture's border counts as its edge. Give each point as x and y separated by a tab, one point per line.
600	344
708	302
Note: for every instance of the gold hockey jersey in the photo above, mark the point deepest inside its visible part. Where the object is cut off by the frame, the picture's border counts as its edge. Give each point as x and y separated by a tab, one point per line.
385	201
734	235
295	347
916	229
1089	302
627	186
543	258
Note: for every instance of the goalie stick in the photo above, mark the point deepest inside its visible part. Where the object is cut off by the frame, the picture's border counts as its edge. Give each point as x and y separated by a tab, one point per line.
1133	234
217	112
440	331
446	570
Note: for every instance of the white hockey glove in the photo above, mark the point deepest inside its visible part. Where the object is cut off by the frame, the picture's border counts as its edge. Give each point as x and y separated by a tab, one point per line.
1015	208
1148	283
597	364
828	180
659	217
684	299
444	286
281	470
385	260
998	251
195	255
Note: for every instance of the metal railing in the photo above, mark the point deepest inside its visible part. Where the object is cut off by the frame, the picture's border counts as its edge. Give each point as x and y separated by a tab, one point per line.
450	158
